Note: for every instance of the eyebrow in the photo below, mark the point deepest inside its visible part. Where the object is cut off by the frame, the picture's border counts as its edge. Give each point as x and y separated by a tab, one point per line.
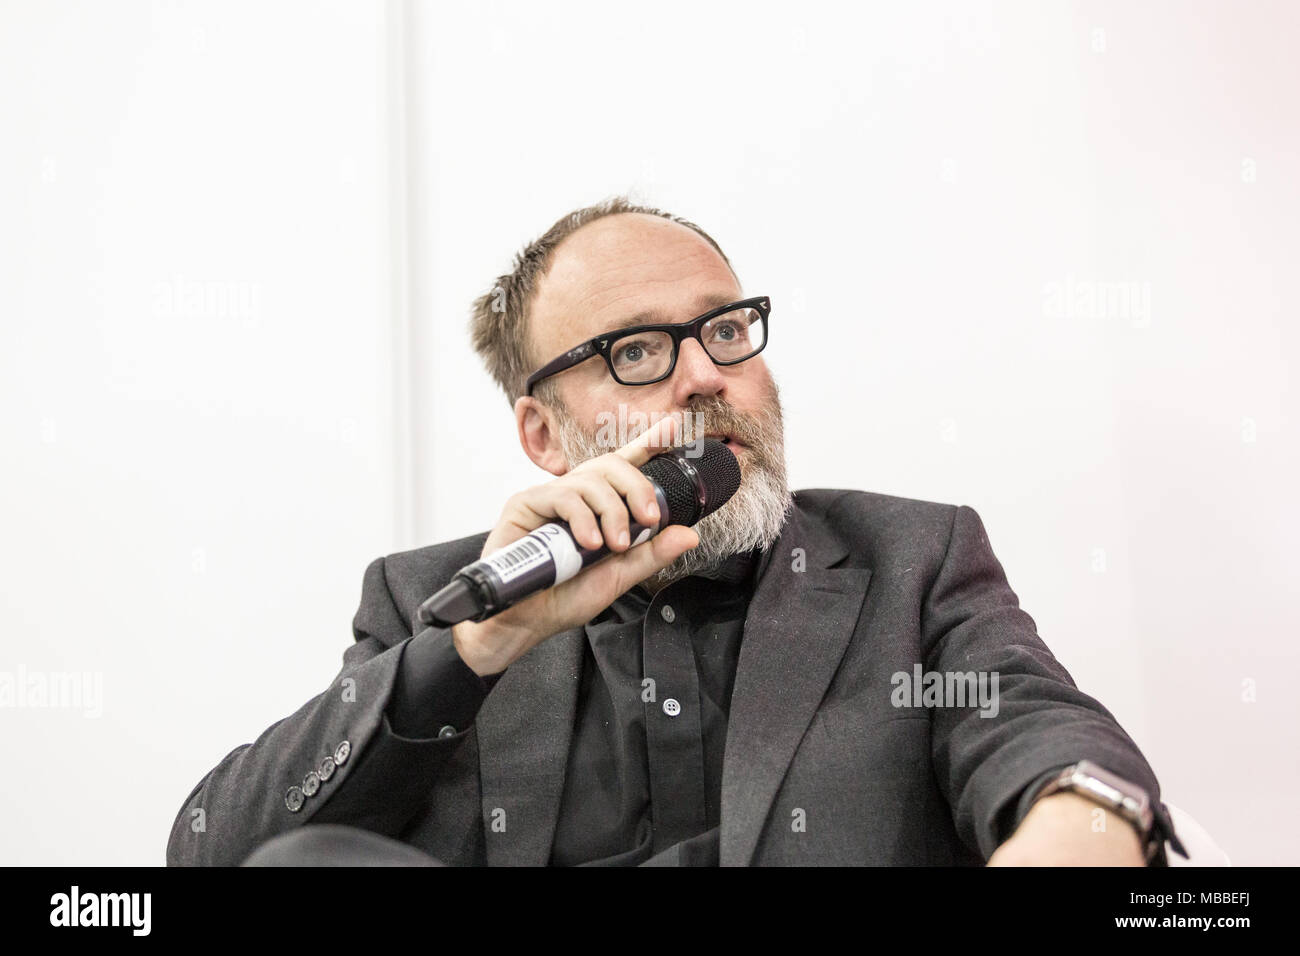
654	317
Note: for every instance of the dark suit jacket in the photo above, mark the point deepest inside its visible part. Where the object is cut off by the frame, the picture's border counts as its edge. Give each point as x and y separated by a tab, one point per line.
821	766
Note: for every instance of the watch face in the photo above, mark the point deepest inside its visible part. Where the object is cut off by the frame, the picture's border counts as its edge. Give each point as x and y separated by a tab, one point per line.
1128	800
1112	788
1099	787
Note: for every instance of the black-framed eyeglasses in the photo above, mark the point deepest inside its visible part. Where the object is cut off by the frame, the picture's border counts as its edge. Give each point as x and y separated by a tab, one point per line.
645	354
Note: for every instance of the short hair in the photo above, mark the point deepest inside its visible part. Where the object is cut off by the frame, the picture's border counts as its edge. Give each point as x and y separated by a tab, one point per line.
499	318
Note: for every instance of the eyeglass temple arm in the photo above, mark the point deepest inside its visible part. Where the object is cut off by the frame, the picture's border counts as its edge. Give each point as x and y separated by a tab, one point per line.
569	359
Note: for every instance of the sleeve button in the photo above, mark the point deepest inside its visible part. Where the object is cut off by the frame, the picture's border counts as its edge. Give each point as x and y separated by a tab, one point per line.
311	783
341	753
293	799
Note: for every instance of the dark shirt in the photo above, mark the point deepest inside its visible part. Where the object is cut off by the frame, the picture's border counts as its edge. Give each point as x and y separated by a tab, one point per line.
643	782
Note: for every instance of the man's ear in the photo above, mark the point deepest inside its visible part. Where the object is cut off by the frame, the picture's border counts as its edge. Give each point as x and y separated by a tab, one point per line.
539	435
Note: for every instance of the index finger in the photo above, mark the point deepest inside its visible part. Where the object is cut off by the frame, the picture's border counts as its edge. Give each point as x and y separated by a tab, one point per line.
659	437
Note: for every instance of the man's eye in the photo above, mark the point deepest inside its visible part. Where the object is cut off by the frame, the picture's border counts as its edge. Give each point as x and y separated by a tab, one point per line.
631	353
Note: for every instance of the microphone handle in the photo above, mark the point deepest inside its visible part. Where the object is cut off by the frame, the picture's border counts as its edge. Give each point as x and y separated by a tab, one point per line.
539	560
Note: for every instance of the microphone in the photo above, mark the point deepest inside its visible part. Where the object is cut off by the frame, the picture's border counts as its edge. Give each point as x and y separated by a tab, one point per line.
686	489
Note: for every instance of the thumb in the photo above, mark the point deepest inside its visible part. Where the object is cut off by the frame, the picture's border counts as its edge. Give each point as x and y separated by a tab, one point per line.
650	557
617	573
661	550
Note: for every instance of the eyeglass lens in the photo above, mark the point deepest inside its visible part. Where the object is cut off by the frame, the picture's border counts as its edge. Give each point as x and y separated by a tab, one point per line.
646	356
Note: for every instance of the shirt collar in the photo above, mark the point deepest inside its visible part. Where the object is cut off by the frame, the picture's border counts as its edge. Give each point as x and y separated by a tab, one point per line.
736	569
742	570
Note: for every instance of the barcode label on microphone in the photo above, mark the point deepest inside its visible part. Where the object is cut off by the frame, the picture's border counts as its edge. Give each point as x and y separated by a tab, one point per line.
520	558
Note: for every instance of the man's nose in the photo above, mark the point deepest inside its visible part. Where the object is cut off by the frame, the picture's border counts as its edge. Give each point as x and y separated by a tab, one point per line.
695	374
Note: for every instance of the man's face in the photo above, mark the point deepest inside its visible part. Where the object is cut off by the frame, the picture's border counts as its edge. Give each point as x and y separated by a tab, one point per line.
634	269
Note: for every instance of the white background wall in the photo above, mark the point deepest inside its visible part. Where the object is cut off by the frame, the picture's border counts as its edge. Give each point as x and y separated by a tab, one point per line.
197	419
927	192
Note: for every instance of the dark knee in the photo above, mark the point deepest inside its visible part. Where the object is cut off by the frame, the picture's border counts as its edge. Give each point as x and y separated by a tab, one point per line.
333	844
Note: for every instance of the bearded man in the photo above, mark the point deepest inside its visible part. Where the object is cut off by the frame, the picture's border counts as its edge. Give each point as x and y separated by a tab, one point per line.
739	692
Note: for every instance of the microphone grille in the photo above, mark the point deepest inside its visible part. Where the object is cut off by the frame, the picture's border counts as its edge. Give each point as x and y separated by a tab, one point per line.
721	473
718	474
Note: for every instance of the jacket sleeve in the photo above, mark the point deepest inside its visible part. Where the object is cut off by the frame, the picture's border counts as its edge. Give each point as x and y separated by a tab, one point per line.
365	773
987	766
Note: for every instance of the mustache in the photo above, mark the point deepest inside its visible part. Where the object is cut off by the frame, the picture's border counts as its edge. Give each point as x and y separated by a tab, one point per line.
713	415
760	433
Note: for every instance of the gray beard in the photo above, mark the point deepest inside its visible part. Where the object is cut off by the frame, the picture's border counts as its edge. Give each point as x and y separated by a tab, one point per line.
752	518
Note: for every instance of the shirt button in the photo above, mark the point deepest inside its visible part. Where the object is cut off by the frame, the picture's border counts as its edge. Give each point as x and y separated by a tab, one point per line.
667	613
293	799
447	731
671	707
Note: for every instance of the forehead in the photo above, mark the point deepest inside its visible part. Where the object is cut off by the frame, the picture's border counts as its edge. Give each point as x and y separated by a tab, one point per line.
631	268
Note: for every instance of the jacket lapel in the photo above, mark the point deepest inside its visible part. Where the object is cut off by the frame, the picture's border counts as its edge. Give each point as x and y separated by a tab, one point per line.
796	630
524	729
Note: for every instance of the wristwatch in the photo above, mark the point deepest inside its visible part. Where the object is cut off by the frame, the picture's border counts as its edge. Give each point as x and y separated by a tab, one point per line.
1114	793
